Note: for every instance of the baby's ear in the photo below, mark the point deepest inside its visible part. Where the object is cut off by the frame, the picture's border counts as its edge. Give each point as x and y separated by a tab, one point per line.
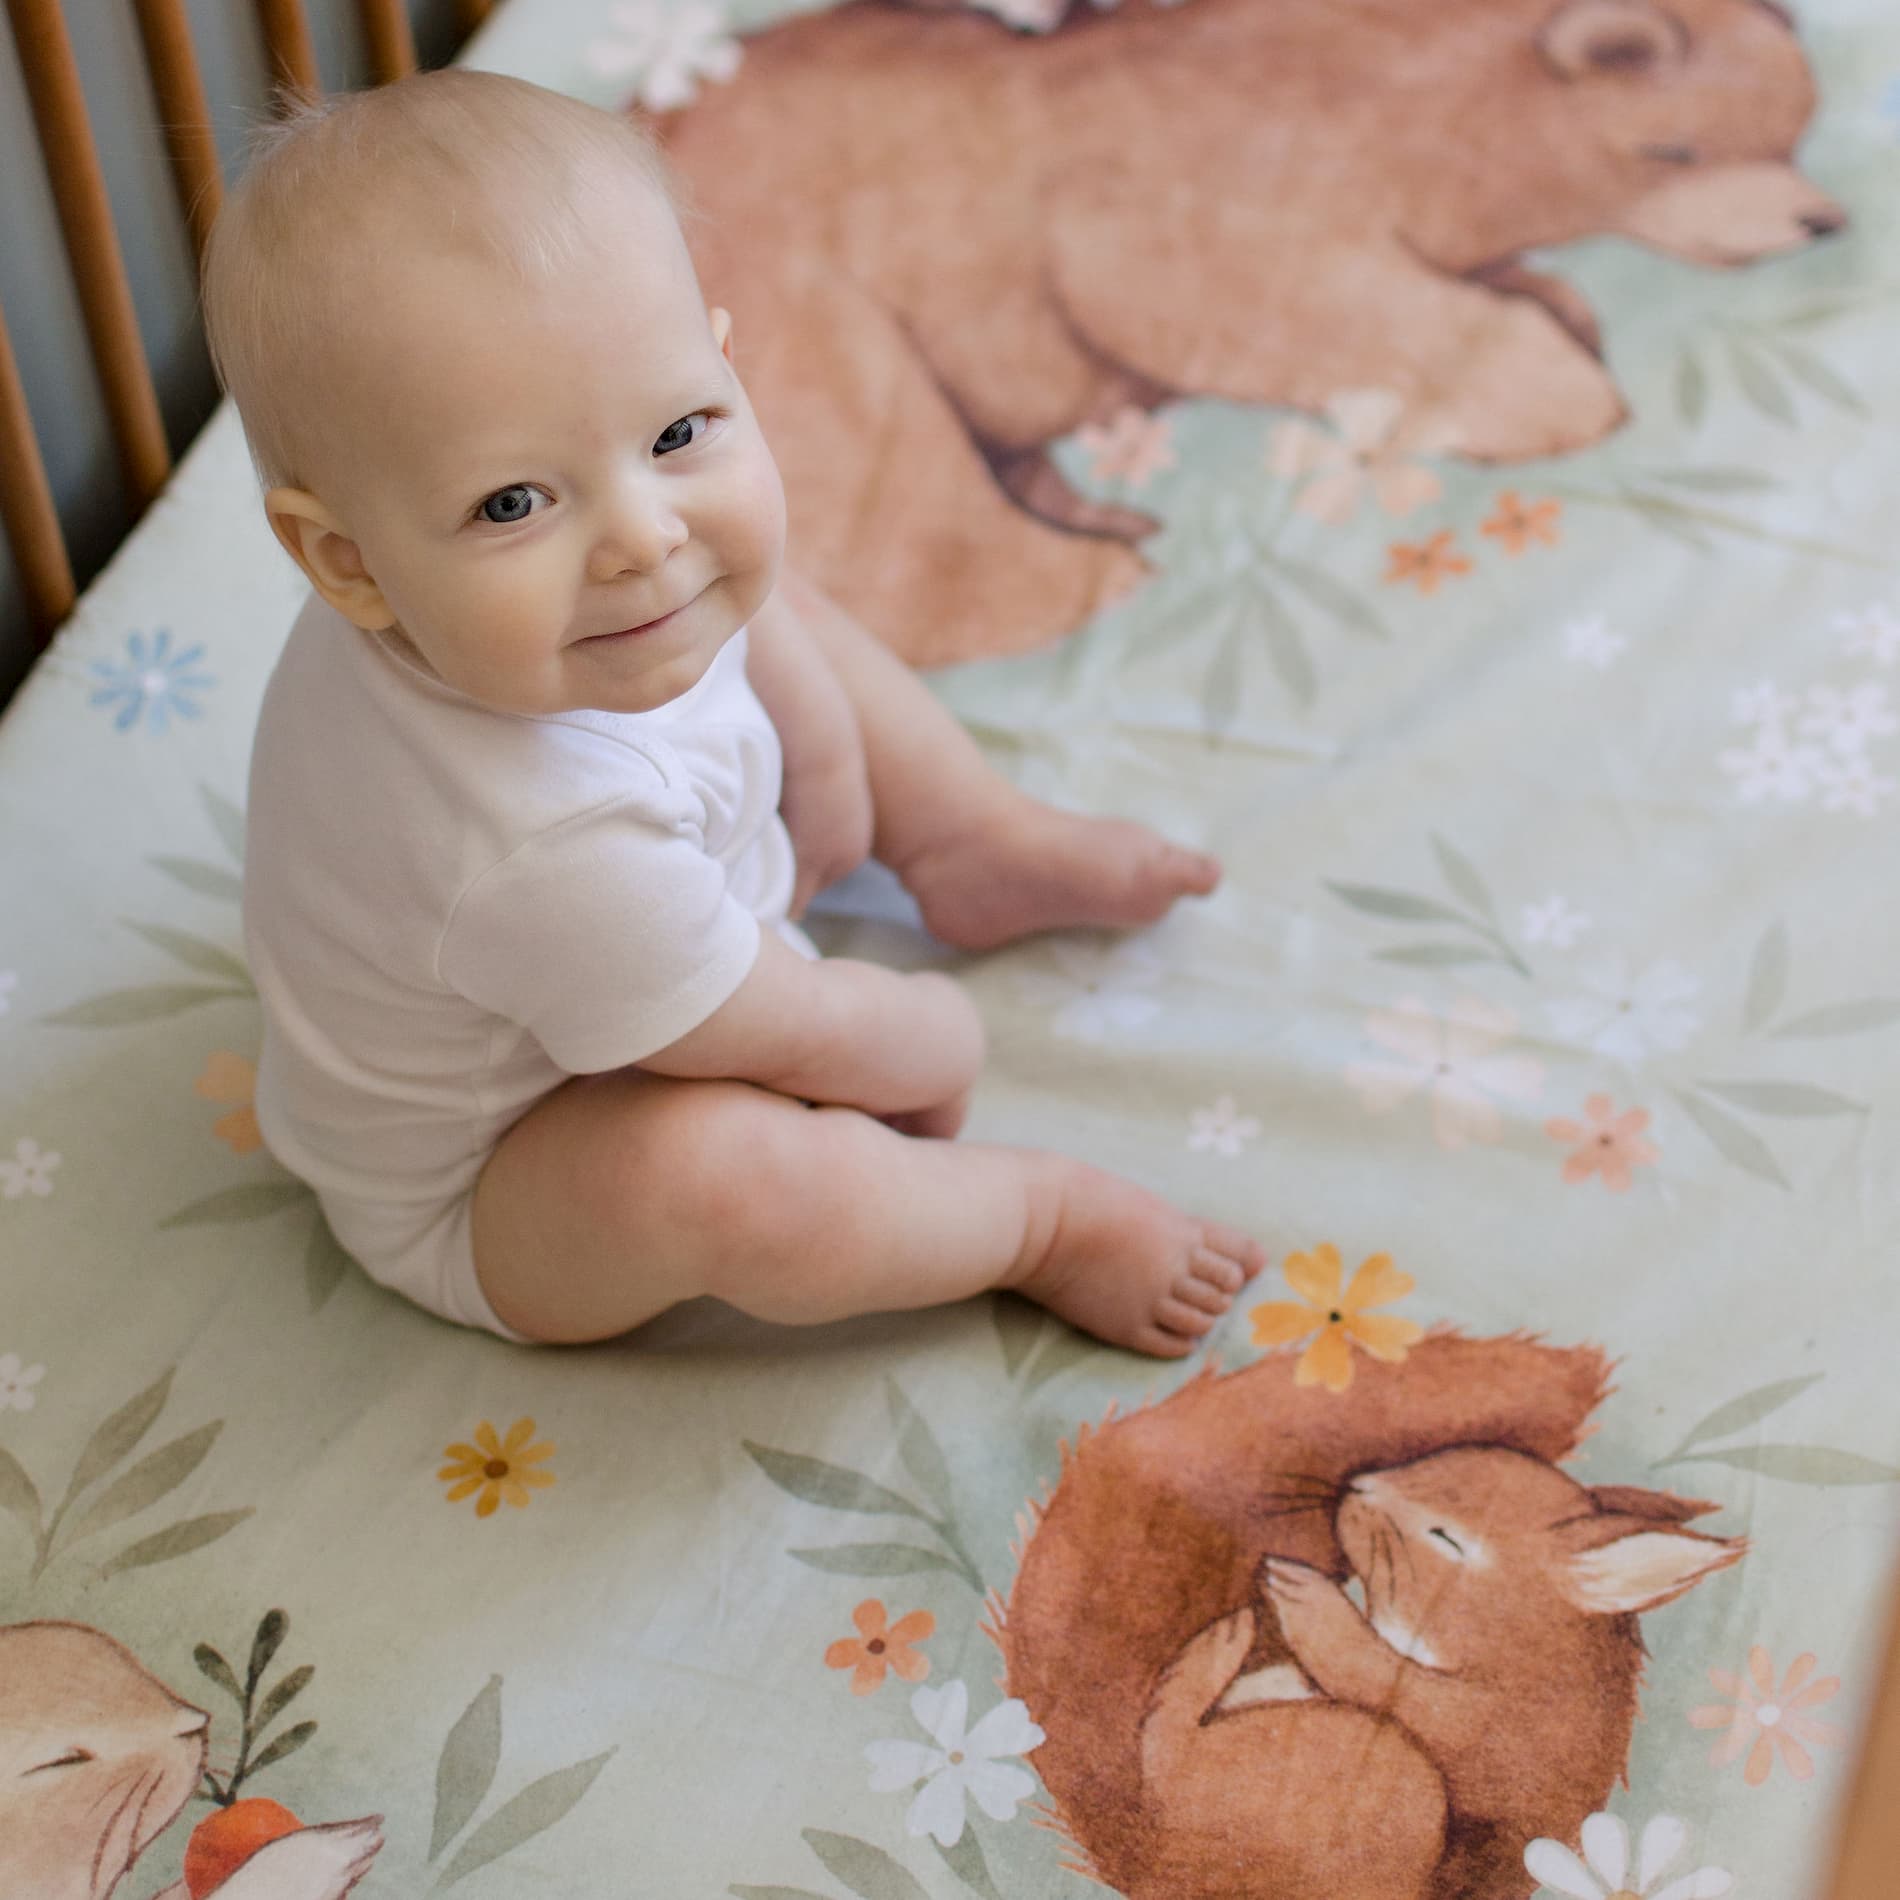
315	540
1617	1564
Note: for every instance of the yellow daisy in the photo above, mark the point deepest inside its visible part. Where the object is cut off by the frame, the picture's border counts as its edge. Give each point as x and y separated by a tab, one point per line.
496	1467
1340	1319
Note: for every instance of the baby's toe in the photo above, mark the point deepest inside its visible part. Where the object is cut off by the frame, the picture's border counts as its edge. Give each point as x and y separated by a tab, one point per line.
1177	1316
1231	1244
1215	1270
1204	1293
1159	1343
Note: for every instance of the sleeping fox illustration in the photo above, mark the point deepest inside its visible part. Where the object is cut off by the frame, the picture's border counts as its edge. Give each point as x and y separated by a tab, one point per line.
98	1757
1225	1722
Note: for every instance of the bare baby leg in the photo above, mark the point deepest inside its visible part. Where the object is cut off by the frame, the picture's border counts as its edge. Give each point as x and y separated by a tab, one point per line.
622	1194
985	862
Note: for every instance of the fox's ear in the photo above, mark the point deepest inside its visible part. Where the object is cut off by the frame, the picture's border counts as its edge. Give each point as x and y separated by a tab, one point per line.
1628	1500
1626	1565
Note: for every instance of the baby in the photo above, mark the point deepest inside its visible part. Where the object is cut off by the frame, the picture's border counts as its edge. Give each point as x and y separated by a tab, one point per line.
555	754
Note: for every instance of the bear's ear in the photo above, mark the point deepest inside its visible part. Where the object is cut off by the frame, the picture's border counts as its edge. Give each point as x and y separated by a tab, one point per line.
1616	37
1619	1566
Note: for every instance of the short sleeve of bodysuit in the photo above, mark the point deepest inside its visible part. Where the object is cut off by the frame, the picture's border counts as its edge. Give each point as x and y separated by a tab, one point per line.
607	937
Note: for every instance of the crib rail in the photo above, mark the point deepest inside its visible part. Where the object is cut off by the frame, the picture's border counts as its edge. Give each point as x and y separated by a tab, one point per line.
70	153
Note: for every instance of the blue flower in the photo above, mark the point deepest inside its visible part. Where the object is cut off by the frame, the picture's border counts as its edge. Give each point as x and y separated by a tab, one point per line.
151	683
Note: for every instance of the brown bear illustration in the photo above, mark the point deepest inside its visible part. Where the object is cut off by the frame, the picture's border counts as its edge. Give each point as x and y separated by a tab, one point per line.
948	244
1224	1721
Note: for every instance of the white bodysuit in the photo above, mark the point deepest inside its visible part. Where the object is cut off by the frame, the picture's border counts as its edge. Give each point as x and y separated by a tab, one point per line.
449	911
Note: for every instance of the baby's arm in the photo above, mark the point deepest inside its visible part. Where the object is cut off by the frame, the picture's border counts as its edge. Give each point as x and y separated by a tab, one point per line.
840	1032
826	801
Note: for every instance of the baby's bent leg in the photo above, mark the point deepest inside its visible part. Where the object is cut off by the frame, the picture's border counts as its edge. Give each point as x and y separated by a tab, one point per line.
620	1195
986	862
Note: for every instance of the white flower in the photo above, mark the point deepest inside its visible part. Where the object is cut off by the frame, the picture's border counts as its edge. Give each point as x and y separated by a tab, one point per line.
1222	1128
1131	448
670	51
1774	767
1365	451
1626	1017
8	980
1763	704
1591	642
1847	720
960	1764
30	1171
1604	1873
1098	991
1853	785
1874	630
1554	922
1452	1058
17	1382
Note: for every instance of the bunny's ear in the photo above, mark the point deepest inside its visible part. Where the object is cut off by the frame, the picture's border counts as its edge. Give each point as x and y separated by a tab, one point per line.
1630	1566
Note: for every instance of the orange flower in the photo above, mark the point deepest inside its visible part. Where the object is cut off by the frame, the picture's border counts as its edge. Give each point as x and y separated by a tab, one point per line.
1426	562
1759	1717
876	1648
1611	1146
496	1467
229	1078
1340	1319
1517	523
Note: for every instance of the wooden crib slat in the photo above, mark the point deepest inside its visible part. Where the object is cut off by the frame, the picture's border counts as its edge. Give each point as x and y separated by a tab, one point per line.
1868	1863
392	47
26	506
469	14
85	216
293	55
183	113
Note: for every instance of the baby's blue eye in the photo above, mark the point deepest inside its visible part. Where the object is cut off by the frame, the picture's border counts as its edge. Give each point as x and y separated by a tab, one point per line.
671	438
507	505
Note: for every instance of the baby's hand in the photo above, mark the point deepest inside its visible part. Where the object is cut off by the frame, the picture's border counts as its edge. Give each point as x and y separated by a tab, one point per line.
827	810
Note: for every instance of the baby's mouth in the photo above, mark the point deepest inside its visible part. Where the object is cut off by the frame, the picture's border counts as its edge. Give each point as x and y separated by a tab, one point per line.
645	626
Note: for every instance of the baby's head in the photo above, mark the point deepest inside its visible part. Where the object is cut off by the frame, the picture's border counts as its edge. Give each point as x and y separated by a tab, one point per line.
490	408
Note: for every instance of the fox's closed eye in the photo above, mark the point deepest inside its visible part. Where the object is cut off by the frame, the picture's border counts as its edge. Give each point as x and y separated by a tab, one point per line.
72	1758
511	504
1445	1537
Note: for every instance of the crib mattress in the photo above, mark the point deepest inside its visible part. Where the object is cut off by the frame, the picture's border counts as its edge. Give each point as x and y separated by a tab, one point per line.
1481	537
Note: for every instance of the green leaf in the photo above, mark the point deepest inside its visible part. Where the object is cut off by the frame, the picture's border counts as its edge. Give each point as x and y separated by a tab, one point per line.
875	1560
1220	690
466	1770
152	1478
1670	518
1801	1464
118	1009
227	819
1760	384
280	1698
1733	1140
1821	377
272	1627
832	1486
324	1263
1018	1326
966	1861
253	1201
1717	481
533	1811
1692	390
182	1539
1844	1019
1783	1098
868	1871
287	1743
195	952
1376	901
1437	956
208	880
213	1666
1767	976
1064	1348
1461	878
117	1437
19	1496
918	1447
1738	1414
1286	648
776	1893
1330	596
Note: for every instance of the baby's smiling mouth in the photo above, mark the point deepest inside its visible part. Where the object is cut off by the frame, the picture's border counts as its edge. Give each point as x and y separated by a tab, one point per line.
644	626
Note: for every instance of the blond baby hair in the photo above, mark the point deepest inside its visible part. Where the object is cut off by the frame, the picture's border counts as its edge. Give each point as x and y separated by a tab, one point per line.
490	160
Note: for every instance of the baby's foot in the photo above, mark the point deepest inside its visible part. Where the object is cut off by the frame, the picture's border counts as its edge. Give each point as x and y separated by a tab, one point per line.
1122	1264
1023	866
